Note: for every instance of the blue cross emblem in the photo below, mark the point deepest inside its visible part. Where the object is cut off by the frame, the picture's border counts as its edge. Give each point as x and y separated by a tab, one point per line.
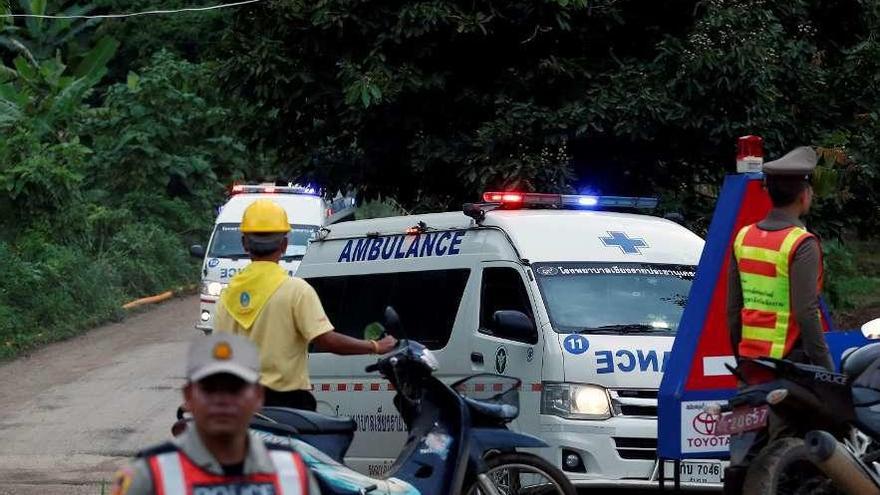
626	244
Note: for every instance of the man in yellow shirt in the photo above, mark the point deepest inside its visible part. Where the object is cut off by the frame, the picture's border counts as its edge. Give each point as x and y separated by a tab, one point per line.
282	315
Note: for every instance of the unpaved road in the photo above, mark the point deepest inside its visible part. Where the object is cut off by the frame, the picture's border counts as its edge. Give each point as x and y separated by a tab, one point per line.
71	412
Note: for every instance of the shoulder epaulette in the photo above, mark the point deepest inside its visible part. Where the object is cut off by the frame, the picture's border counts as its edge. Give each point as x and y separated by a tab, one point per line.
276	446
162	448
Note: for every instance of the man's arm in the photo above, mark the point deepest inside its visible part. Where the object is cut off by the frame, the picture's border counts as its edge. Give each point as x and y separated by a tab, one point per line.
804	276
338	343
734	305
312	322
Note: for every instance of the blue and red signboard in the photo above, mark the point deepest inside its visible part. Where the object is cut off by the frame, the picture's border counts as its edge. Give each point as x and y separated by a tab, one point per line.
696	374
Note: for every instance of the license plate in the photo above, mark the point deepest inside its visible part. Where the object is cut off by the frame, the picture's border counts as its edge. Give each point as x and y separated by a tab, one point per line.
698	472
742	419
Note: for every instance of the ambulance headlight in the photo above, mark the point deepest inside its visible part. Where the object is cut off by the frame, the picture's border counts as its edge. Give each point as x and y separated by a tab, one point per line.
575	401
212	288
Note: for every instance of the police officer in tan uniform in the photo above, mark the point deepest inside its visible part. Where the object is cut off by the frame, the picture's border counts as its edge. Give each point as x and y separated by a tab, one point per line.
776	272
774	281
217	452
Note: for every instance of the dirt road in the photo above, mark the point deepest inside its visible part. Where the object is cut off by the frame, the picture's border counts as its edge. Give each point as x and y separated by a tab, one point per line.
73	411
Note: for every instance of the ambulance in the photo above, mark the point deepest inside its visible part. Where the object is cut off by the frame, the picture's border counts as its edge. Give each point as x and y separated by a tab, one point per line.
578	296
307	211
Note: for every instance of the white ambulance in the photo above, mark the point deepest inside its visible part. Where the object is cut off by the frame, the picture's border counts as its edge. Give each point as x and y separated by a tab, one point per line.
307	211
579	302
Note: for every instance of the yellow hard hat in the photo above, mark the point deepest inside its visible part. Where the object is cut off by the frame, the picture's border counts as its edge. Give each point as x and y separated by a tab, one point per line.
264	216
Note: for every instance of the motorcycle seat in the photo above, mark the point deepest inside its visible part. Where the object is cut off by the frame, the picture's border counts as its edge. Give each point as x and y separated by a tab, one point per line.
308	422
857	362
863	396
501	412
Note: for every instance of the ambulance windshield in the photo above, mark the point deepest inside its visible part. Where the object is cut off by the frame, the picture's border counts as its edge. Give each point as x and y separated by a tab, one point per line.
618	298
227	241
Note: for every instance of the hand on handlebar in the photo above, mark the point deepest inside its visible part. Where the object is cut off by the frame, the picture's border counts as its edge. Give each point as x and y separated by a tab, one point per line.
385	345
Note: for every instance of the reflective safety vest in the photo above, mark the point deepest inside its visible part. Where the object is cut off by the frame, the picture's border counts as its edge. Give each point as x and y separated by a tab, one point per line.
175	474
764	257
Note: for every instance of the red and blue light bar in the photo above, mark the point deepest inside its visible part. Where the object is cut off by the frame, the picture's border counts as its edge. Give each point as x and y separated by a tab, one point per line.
520	200
273	189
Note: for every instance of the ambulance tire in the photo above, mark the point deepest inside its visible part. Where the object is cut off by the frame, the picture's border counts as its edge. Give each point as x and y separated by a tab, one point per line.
771	471
531	463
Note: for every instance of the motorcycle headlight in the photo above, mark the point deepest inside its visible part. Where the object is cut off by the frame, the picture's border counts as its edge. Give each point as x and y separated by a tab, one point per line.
575	401
430	360
212	288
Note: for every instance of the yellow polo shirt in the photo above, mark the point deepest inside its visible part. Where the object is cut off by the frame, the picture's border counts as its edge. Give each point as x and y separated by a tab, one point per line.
291	318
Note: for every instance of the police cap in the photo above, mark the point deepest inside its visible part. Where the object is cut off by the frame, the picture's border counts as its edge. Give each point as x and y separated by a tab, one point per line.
223	353
799	161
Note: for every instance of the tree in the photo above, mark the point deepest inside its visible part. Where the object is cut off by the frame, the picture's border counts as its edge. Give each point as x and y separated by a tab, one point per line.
41	156
434	100
41	39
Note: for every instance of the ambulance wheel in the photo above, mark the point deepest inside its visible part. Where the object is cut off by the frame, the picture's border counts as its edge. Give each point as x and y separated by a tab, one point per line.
518	473
783	468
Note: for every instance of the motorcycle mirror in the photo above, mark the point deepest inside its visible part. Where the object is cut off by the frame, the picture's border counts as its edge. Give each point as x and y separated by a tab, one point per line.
871	329
374	331
392	322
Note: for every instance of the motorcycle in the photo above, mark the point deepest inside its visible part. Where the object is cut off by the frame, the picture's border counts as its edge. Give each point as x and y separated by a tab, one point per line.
457	443
801	429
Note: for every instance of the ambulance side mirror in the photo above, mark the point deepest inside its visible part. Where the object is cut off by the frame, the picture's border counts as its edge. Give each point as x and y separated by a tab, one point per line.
872	329
514	325
197	251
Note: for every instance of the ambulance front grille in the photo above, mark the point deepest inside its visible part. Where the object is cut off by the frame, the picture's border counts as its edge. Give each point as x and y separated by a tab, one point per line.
634	402
636	448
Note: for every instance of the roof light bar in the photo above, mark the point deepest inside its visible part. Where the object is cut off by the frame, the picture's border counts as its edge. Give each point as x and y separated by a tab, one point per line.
273	189
502	197
516	200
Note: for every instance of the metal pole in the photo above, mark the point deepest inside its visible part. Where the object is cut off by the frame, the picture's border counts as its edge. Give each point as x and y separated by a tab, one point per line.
677	475
662	468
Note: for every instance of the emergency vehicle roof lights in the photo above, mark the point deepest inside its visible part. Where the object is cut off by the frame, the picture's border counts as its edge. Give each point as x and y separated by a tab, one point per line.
516	200
273	189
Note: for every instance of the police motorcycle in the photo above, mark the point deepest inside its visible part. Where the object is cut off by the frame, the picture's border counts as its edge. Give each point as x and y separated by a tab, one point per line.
457	443
832	440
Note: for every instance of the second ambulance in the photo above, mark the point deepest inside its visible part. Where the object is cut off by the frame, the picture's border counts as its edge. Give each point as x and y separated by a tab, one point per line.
307	210
577	299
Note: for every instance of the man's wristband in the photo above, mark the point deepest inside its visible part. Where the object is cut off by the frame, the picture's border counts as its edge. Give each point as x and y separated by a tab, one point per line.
375	346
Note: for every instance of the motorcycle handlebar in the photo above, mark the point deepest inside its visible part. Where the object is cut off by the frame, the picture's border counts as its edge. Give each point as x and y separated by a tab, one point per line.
372	367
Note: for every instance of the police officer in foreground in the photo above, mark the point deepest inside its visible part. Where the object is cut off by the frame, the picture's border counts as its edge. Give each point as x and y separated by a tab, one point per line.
282	315
216	452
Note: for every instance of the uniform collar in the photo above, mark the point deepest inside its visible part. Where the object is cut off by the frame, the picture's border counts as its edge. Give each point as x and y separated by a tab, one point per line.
256	460
777	216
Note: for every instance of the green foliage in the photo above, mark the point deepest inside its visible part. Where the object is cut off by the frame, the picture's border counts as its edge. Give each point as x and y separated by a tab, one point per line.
168	165
852	282
840	265
51	292
104	186
432	101
149	259
39	39
428	101
191	36
378	208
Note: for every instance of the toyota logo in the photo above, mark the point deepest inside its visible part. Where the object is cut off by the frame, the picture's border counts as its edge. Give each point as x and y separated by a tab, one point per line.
704	423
